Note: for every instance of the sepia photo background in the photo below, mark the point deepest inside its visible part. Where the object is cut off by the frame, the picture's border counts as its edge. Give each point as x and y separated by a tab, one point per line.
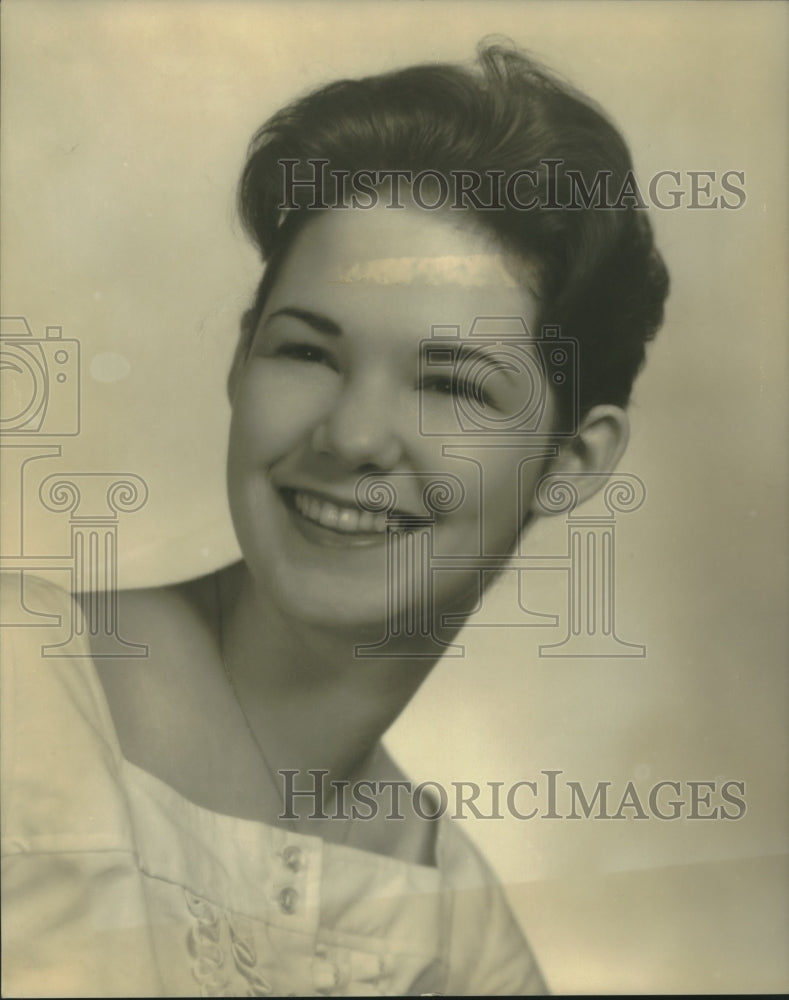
124	128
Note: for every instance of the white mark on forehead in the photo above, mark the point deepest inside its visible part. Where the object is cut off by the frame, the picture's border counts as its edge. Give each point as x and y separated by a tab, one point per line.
467	270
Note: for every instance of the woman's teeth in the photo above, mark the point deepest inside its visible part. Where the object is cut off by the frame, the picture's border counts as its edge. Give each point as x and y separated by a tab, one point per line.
348	520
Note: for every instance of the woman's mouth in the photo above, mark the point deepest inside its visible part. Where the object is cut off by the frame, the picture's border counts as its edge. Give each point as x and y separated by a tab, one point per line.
330	520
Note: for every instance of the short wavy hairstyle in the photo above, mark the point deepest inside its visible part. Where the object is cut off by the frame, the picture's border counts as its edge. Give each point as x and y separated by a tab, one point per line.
601	278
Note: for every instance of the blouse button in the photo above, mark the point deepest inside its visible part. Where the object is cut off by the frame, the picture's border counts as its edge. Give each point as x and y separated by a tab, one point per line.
288	899
326	976
293	858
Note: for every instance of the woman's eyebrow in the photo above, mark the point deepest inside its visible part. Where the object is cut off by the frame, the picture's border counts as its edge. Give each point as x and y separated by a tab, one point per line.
317	321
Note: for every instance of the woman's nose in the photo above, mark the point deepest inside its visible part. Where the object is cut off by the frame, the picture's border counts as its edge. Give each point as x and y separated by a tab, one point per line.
360	429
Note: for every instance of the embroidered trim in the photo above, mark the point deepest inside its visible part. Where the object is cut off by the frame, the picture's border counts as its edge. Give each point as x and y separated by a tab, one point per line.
204	941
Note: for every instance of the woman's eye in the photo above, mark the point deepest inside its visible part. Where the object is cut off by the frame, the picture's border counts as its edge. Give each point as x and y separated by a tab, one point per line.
446	386
304	352
459	389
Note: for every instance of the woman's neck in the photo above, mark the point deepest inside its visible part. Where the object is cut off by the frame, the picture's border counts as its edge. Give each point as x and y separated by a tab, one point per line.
309	700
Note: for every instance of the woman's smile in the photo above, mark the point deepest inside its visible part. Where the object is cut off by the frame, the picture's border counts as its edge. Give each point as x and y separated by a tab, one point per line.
329	521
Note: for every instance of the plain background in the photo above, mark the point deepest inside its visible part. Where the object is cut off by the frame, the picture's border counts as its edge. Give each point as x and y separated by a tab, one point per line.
124	128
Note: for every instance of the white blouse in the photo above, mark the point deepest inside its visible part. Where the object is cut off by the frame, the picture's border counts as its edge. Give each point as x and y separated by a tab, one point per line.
116	885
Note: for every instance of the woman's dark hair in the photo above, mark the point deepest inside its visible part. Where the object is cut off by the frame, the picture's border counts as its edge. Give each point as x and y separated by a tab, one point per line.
601	280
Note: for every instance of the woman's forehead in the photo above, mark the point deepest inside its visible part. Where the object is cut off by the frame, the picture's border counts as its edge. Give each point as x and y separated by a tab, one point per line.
408	247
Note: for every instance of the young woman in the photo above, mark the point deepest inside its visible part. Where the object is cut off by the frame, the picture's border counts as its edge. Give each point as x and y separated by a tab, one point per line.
192	822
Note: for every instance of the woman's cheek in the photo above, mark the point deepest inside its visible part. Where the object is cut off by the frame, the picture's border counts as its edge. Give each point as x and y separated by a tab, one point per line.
278	404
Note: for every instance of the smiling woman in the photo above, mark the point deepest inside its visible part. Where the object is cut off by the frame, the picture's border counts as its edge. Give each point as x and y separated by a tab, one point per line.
384	336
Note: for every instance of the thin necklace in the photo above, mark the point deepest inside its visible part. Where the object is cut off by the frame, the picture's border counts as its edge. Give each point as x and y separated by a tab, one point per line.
292	822
229	674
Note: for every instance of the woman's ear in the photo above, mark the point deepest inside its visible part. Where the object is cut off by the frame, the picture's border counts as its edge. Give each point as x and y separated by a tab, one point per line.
588	459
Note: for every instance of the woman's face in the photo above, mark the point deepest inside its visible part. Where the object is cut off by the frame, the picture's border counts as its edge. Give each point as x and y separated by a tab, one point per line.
333	389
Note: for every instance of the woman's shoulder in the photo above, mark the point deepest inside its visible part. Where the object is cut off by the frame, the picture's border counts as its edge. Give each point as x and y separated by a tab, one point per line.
51	656
27	600
154	612
489	951
166	631
59	756
45	653
170	708
71	713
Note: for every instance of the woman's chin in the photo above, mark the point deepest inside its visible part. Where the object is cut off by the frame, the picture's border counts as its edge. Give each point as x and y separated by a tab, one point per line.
361	617
336	605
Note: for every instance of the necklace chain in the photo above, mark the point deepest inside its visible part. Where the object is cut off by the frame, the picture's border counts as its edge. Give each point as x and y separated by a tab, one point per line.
229	675
292	822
